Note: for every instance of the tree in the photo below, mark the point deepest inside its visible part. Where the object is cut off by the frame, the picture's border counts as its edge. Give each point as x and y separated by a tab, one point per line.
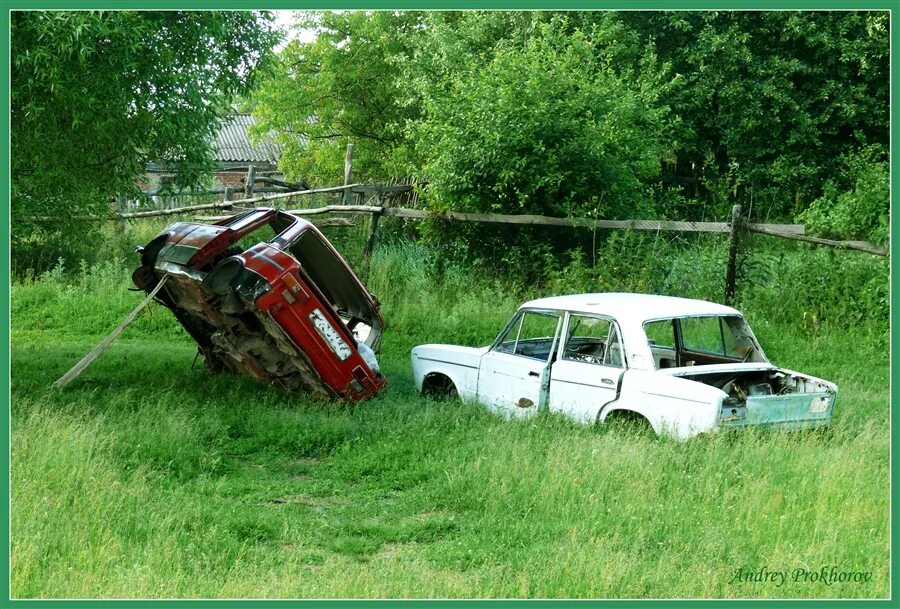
538	122
342	87
615	114
96	95
768	102
542	124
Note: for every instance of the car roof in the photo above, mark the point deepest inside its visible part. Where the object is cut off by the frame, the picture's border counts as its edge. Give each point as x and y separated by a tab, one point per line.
632	307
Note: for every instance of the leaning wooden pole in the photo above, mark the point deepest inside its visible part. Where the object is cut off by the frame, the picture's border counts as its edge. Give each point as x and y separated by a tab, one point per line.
369	246
731	272
90	357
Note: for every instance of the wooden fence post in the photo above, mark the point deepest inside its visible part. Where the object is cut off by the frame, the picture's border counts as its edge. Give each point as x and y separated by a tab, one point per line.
373	227
248	182
229	193
731	272
348	172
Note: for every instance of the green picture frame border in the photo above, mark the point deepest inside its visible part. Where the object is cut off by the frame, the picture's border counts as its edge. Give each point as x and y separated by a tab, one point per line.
6	6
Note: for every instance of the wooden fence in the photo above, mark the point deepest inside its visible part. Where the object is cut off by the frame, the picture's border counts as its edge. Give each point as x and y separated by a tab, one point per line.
379	192
377	202
400	200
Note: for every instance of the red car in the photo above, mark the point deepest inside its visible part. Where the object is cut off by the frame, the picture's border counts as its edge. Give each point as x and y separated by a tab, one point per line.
288	311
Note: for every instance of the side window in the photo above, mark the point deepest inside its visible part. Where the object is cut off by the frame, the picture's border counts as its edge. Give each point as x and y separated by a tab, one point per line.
531	335
702	334
593	340
507	342
661	339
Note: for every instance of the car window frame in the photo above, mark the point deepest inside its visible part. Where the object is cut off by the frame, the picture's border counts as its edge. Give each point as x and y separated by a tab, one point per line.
517	319
679	346
613	323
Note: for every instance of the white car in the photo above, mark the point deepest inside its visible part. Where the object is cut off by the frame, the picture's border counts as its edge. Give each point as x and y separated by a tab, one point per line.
683	366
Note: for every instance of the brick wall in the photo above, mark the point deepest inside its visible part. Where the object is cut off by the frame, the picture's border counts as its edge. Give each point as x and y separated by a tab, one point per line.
230	179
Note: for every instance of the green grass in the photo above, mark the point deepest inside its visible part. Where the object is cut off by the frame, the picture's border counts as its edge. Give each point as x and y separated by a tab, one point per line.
150	478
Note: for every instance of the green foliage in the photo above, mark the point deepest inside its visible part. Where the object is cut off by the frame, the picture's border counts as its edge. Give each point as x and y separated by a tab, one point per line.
342	87
96	95
541	126
626	261
768	100
595	113
538	122
855	204
816	287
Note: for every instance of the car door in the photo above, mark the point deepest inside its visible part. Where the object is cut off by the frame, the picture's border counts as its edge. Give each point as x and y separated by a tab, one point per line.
588	371
514	375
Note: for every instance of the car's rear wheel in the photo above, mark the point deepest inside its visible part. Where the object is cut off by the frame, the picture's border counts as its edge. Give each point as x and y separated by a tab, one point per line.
628	422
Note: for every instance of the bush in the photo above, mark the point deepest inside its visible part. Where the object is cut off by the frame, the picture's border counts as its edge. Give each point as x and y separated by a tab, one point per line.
856	204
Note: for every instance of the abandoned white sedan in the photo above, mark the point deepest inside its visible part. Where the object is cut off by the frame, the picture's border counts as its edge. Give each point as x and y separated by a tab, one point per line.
682	366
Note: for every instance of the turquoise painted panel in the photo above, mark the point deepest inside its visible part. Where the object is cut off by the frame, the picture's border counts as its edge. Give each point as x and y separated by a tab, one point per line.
790	411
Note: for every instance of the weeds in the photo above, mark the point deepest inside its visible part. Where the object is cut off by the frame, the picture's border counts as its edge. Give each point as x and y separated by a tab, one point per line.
149	478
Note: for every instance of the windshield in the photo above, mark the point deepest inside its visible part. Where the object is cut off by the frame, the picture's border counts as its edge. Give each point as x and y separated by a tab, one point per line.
701	340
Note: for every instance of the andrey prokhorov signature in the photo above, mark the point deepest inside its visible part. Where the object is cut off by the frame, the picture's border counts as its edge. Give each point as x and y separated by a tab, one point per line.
828	575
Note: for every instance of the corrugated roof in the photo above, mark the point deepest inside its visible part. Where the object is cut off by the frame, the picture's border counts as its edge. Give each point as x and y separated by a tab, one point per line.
234	145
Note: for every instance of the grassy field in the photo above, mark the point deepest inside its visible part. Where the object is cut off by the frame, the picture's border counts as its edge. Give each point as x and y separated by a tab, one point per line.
151	478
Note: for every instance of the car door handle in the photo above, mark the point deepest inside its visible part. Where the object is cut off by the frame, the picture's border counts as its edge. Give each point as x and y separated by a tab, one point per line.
534	373
607	381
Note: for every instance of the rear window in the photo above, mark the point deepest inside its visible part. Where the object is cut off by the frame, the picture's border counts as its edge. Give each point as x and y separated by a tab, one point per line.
700	340
703	335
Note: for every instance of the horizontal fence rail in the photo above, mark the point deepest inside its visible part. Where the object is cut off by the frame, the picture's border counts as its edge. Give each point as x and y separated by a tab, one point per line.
525	219
382	193
861	246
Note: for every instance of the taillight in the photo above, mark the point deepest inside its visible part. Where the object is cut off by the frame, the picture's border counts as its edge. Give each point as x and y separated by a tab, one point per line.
819	404
732	410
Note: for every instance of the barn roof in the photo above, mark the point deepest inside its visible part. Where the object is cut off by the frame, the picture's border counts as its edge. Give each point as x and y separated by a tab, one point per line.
233	145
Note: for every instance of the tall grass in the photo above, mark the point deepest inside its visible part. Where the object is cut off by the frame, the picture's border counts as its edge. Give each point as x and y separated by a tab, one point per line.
151	478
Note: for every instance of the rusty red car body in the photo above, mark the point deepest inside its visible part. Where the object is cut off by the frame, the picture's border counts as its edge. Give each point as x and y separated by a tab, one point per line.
288	311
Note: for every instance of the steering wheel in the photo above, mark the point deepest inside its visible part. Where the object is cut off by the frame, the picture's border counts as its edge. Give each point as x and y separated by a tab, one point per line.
592	353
